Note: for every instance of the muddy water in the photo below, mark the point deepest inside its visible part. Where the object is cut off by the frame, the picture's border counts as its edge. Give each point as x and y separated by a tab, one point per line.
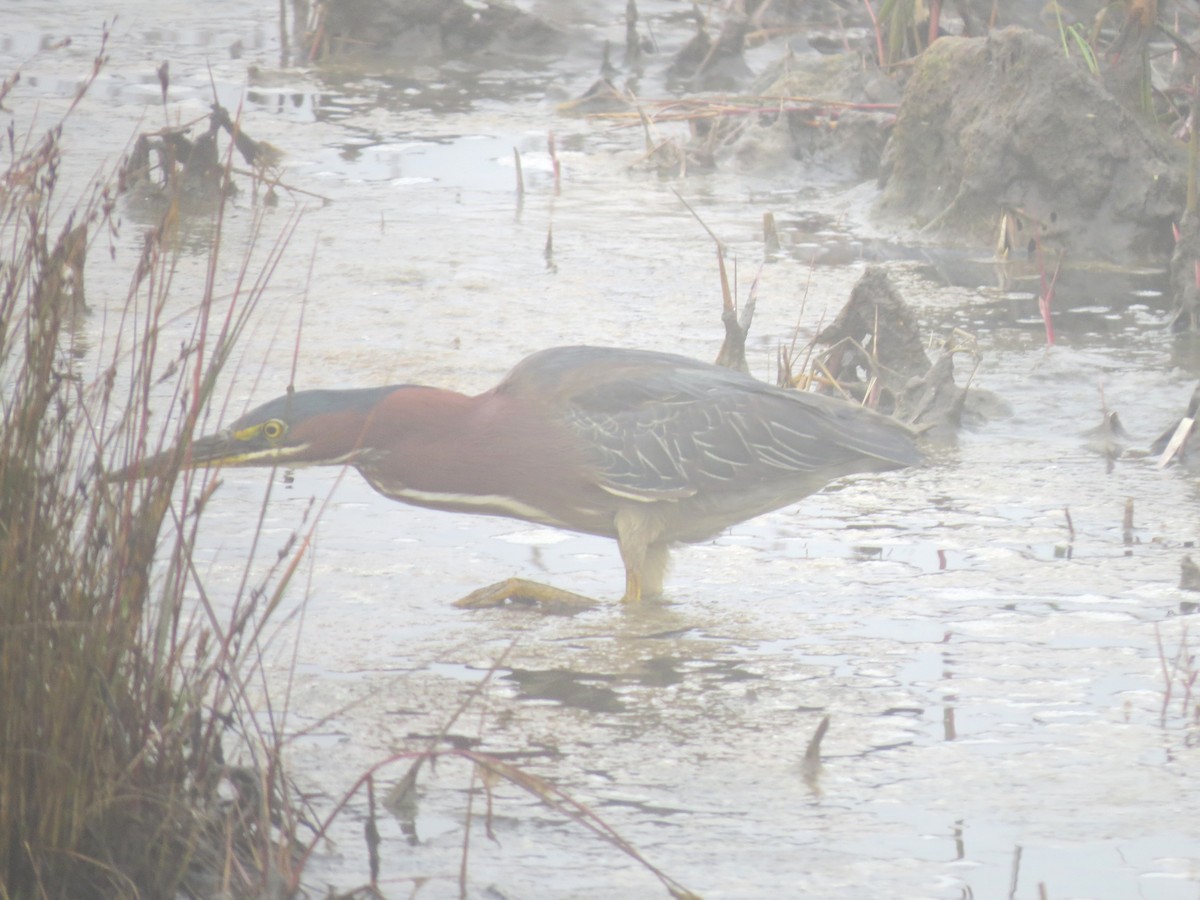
992	673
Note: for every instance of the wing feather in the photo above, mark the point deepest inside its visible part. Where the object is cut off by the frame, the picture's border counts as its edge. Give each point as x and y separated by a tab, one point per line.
665	427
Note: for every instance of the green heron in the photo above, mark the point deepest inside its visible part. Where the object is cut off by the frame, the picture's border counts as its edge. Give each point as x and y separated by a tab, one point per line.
649	448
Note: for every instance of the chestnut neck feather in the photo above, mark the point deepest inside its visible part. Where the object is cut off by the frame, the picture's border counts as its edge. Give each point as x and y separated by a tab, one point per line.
493	453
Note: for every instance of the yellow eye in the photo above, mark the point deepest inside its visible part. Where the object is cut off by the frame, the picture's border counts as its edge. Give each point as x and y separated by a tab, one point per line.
274	430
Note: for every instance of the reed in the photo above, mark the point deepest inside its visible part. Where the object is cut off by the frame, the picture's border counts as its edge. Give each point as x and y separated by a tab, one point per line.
123	688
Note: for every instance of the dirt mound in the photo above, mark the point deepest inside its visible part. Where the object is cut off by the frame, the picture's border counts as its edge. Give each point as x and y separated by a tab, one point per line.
1006	125
428	30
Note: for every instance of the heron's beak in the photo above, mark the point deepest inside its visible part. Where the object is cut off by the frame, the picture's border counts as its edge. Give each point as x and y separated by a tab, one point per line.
212	450
223	449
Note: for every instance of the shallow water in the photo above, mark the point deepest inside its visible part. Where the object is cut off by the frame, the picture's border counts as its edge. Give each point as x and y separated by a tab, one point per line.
991	672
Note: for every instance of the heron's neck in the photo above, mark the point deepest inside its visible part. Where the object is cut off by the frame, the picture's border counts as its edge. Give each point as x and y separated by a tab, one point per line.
426	434
483	454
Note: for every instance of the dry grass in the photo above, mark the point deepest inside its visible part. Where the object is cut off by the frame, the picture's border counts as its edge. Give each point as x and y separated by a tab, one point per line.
124	689
1180	671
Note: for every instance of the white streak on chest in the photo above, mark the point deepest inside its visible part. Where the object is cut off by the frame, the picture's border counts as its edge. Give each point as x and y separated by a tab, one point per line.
486	504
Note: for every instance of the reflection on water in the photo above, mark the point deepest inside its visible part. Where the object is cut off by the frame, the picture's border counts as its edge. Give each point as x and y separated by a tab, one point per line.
990	668
582	690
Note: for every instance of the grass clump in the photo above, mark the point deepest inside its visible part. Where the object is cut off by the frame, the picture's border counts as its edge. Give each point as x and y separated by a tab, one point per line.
122	689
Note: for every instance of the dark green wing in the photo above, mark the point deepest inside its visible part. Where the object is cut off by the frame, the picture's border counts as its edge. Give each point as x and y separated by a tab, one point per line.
660	426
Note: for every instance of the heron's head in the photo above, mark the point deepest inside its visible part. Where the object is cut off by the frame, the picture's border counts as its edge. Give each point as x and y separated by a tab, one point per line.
302	428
